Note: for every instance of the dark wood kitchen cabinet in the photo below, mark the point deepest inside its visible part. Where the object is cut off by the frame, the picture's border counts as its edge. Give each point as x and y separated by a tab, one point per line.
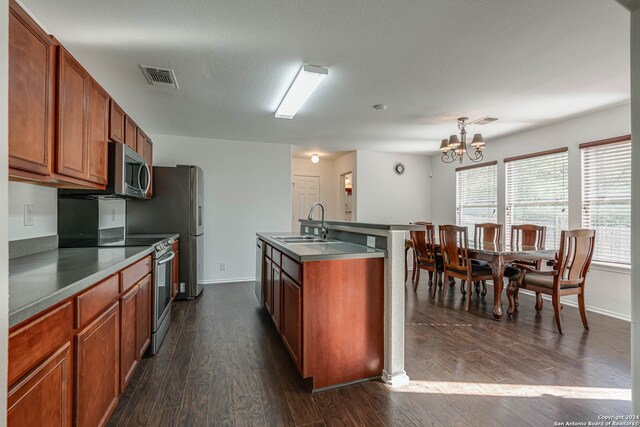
72	146
130	132
128	331
31	96
98	133
143	316
98	369
116	122
276	281
43	398
291	328
175	275
268	285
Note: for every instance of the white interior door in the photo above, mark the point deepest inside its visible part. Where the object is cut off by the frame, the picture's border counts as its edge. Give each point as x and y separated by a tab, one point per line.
306	191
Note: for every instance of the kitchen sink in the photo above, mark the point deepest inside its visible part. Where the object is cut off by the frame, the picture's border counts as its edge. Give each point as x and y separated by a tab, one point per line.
302	239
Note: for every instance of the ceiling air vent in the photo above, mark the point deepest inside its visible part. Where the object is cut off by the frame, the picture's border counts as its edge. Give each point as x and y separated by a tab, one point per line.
160	76
484	120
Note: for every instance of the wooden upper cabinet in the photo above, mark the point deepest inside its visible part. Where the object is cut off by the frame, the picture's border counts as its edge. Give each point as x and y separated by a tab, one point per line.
141	142
72	152
31	94
98	133
116	122
148	156
130	132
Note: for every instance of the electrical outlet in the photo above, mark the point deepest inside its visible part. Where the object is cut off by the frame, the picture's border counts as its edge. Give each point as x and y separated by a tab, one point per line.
28	215
316	232
223	266
306	230
113	215
183	288
371	241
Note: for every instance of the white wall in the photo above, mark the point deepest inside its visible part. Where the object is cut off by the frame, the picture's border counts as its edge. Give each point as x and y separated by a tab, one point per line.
329	183
247	189
386	197
608	289
635	250
4	214
342	165
45	210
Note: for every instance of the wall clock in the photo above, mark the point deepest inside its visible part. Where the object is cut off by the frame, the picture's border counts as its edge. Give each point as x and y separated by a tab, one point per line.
399	168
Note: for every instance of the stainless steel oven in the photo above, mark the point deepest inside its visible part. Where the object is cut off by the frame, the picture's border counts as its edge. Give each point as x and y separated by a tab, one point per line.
163	259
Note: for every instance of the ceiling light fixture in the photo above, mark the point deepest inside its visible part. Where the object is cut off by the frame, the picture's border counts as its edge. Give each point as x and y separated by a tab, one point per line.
455	148
315	158
305	83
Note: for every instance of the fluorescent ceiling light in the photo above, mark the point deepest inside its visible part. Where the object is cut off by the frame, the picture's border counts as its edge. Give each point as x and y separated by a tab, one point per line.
300	90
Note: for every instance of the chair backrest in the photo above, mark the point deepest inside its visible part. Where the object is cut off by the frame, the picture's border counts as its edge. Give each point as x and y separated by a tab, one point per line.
454	245
574	255
487	232
424	242
528	235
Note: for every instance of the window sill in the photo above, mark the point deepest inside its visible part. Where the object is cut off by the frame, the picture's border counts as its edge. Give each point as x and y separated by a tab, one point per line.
609	266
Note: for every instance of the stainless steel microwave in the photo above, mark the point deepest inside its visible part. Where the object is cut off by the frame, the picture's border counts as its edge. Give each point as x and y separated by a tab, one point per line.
129	176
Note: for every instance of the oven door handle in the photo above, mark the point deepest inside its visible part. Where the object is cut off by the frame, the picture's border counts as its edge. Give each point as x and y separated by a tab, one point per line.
166	260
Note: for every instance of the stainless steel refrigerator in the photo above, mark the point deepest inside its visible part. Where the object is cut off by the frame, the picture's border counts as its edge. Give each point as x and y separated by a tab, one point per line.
176	207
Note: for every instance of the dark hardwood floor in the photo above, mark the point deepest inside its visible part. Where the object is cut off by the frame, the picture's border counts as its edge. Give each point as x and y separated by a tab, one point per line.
222	363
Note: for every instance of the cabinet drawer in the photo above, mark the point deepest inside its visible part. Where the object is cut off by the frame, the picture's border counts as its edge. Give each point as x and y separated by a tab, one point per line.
36	340
292	268
131	275
95	300
276	255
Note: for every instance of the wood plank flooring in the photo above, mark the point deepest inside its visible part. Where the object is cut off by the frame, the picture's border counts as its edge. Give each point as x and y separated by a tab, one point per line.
222	363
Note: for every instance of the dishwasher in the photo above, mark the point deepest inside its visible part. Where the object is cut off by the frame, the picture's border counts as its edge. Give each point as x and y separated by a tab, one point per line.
259	258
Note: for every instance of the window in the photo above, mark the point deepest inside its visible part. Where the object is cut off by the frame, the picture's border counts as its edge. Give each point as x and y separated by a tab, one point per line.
537	193
606	197
477	195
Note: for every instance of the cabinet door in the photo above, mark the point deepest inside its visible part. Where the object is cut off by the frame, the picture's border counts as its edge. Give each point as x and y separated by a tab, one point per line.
31	94
43	398
71	139
140	142
268	285
292	318
128	329
148	156
130	132
98	132
144	316
97	369
175	277
277	295
116	122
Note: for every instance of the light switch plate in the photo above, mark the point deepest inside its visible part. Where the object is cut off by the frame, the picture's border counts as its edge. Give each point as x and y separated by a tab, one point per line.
183	288
371	241
28	215
223	266
306	229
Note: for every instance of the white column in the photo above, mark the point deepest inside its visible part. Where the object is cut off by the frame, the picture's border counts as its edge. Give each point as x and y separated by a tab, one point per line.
635	210
394	373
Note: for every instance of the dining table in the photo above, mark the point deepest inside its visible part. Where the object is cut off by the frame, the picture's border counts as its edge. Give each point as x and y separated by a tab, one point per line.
498	256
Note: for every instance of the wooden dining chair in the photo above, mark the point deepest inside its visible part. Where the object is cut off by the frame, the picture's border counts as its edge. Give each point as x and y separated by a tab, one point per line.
487	232
426	255
528	235
567	278
454	245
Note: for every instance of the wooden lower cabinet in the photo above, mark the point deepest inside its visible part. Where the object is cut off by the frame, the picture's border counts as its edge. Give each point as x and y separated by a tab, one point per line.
291	328
43	398
128	332
268	285
276	274
175	276
98	369
143	316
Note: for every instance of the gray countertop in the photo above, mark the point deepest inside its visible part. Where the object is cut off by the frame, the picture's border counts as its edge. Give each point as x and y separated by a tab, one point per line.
320	251
40	281
390	227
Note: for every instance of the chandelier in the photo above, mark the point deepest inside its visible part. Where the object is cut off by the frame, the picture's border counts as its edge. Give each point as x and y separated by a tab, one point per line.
455	148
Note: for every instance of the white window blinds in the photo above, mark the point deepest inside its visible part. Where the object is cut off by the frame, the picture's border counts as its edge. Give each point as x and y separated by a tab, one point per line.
537	193
606	198
477	195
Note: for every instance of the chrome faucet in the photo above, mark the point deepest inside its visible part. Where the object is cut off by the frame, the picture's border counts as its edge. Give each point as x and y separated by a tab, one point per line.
325	231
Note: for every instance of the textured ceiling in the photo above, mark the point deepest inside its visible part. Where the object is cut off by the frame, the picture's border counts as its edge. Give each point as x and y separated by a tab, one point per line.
430	61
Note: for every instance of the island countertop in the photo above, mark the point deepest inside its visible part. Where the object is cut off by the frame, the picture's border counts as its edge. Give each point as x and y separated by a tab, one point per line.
332	250
40	281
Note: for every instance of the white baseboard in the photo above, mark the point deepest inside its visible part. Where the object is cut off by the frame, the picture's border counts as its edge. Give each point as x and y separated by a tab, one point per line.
215	281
